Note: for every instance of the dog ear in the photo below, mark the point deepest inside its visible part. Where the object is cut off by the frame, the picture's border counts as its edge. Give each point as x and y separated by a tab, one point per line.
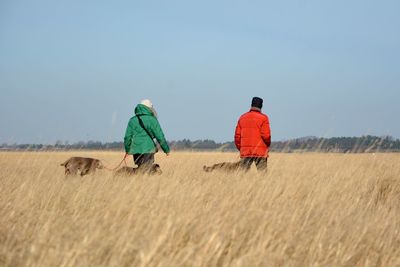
207	169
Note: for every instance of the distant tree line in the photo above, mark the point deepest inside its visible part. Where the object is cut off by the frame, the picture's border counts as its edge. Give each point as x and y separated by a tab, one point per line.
306	144
361	144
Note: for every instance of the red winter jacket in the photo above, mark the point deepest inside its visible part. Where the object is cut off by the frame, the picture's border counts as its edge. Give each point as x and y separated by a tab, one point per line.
253	135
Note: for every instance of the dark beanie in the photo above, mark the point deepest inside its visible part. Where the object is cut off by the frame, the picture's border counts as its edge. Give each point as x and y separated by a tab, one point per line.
257	102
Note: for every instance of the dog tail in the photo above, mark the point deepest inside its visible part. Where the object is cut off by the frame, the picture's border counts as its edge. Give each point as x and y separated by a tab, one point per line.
64	163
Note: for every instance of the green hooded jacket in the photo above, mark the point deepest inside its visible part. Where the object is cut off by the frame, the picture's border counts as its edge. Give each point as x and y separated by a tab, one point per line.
136	140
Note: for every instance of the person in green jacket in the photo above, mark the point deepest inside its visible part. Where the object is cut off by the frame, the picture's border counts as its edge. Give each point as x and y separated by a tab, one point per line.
140	133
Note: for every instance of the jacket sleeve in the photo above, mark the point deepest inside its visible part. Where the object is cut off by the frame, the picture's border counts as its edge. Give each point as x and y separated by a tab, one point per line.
128	137
159	135
238	134
266	132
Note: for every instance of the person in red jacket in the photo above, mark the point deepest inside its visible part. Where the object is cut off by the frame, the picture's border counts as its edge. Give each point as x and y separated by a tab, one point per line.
253	137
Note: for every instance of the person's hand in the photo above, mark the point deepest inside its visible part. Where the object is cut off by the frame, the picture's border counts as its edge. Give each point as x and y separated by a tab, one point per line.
126	155
167	154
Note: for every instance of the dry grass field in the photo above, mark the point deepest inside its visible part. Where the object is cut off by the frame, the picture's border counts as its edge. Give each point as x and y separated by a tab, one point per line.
308	210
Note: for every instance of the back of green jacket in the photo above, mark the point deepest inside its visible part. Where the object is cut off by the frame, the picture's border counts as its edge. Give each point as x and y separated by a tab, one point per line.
136	139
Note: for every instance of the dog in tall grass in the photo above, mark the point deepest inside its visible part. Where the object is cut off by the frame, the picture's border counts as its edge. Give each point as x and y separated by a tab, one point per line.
224	166
129	171
82	165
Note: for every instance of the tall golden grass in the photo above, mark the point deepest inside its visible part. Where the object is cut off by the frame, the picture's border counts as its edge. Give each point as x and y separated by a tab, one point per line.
308	210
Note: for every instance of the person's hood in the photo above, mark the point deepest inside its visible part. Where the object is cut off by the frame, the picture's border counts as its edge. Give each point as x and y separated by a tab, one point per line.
143	110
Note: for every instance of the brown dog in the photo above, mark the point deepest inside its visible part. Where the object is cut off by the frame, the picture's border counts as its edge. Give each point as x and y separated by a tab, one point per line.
83	165
224	166
155	169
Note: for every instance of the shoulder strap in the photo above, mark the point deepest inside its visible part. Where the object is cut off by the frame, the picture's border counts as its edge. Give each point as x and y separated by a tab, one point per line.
144	128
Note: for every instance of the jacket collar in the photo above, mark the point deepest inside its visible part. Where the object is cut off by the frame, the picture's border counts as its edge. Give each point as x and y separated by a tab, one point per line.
143	110
255	109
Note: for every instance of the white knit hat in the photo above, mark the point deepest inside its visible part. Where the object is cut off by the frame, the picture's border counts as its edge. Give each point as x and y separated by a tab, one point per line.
147	103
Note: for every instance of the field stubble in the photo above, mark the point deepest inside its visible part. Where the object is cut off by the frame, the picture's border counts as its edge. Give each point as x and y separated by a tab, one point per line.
308	210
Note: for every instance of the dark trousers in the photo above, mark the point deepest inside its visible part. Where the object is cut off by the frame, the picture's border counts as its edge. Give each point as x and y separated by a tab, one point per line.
144	161
261	163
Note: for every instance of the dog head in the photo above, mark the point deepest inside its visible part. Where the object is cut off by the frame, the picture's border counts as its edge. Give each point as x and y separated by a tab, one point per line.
155	169
98	164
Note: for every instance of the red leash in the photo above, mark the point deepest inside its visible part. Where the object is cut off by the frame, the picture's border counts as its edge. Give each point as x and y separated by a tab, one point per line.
123	160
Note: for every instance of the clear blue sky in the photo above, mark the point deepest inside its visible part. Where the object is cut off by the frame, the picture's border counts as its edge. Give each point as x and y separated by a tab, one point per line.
74	70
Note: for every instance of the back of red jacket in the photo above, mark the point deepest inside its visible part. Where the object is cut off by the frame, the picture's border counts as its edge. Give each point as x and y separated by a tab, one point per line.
253	134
